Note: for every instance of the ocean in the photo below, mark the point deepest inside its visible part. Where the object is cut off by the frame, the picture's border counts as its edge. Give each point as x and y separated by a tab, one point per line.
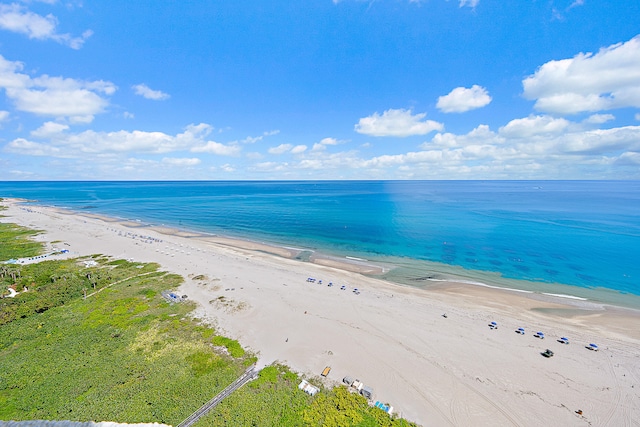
575	238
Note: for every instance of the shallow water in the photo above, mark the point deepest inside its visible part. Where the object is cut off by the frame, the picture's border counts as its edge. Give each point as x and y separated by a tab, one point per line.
580	233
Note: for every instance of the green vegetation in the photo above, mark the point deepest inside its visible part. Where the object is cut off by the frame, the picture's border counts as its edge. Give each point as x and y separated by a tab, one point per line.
232	346
54	283
117	355
15	242
125	354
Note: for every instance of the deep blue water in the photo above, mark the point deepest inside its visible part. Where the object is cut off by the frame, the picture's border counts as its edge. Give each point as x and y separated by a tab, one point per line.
580	233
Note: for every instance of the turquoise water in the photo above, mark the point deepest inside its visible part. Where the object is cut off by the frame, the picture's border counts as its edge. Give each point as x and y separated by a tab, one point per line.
580	233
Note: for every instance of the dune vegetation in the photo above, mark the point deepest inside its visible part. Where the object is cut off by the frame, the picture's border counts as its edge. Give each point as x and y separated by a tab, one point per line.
97	341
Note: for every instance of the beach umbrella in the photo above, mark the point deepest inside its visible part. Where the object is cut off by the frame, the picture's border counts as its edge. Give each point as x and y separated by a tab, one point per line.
521	329
594	346
493	323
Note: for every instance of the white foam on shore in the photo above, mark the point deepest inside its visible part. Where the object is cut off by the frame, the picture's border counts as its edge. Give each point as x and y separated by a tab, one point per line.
565	296
356	259
471	282
293	248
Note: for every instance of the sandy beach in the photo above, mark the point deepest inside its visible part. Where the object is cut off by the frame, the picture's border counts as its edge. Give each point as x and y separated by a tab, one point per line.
434	370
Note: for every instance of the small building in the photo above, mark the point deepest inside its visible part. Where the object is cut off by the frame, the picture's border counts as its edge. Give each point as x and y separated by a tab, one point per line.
308	388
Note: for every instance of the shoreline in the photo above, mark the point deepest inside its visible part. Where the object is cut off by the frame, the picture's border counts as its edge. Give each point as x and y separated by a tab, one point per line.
434	370
385	266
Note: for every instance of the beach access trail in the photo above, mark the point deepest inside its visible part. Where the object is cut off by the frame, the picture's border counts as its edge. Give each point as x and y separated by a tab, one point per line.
434	370
248	375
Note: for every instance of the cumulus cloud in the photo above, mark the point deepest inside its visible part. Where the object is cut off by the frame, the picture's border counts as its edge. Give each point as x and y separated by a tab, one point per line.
4	116
599	118
324	142
606	80
534	147
218	148
30	148
49	129
254	139
181	162
16	18
400	123
534	125
54	96
61	143
280	149
298	149
148	93
463	99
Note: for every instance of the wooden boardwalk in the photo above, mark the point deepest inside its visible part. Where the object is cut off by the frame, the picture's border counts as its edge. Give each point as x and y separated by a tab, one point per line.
248	375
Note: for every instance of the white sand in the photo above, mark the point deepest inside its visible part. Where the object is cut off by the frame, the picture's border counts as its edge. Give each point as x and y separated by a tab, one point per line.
435	371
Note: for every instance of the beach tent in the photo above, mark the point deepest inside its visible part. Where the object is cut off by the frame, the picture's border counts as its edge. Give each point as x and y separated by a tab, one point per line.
520	331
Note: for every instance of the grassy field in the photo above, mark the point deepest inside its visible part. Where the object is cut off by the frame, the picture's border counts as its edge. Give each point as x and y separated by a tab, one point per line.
15	242
125	354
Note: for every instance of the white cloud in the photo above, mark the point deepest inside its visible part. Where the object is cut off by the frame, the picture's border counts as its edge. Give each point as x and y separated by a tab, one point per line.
599	118
629	158
49	129
213	147
576	3
322	145
280	149
181	162
298	149
148	93
54	96
89	143
606	80
4	116
535	147
637	116
251	139
471	3
254	139
30	148
329	141
400	123
463	99
17	19
534	125
128	115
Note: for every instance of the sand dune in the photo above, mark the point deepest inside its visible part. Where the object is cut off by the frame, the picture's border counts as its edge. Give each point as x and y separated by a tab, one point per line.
434	370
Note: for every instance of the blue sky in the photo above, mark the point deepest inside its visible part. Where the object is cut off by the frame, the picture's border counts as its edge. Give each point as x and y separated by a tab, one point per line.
319	89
